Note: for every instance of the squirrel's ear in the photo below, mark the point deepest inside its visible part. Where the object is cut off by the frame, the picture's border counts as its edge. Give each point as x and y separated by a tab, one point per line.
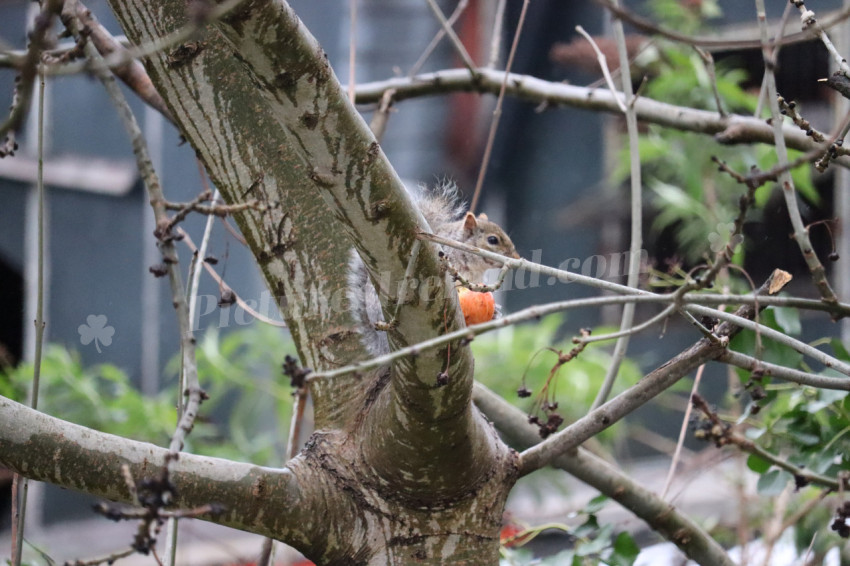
469	223
482	216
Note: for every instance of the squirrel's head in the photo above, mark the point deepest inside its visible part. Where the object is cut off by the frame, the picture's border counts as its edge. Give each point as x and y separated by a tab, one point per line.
487	235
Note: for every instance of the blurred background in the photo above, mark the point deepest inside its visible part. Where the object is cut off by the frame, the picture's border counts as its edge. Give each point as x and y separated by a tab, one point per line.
557	181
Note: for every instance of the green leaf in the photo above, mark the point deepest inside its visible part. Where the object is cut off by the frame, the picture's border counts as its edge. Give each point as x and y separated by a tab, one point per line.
822	462
597	545
587	529
788	320
595	505
625	551
839	350
563	558
517	557
757	464
805	438
773	482
826	397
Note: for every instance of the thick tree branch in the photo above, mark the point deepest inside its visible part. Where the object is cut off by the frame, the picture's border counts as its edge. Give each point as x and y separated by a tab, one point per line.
293	225
316	157
256	499
661	516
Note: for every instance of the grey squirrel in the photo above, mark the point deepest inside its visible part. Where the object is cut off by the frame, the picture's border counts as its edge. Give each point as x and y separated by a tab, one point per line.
445	212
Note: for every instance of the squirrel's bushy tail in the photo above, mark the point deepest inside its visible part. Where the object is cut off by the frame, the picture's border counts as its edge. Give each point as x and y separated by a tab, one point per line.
440	204
365	307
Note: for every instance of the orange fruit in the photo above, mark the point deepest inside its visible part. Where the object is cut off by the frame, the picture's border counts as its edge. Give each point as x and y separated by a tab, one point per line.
477	307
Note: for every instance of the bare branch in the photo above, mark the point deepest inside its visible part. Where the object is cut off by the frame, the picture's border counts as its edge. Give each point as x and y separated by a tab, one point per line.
651	385
711	43
731	129
129	70
635	214
461	6
661	516
801	234
225	287
722	434
496	39
497	112
28	71
810	25
784	373
79	458
566	276
456	42
603	64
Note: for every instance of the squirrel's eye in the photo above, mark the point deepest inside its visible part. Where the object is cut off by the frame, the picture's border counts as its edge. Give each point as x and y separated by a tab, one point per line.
493	240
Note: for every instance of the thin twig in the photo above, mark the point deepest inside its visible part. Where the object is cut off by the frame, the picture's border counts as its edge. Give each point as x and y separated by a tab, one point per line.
683	430
177	37
777	47
804	510
751	363
234	232
772	526
297	380
708	61
41	25
192	294
223	285
723	434
631	330
653	384
801	235
456	42
131	72
496	39
810	24
479	287
635	214
466	334
381	118
441	33
711	43
195	395
497	112
790	109
16	517
39	322
352	49
215	209
603	64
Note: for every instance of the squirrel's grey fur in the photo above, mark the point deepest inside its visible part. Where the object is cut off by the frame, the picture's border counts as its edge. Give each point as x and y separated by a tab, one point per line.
444	211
